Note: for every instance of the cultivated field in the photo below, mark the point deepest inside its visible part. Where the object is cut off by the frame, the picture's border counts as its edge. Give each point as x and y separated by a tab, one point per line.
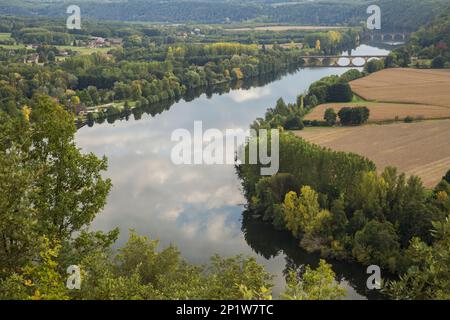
426	87
284	28
420	148
384	111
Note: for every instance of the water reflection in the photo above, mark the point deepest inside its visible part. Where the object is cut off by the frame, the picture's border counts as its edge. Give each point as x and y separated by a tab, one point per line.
199	208
270	243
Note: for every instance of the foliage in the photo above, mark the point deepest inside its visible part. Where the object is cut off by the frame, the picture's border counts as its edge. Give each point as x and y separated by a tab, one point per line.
353	115
330	116
438	62
374	66
318	284
377	243
339	92
428	277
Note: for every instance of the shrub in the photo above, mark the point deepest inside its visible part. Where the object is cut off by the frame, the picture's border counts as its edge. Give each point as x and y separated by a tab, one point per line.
408	119
374	66
447	176
353	116
330	116
339	92
438	62
294	123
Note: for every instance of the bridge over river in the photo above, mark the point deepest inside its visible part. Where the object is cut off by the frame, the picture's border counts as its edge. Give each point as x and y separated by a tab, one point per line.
336	60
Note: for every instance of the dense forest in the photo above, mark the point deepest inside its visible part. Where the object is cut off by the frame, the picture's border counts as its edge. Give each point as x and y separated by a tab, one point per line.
396	13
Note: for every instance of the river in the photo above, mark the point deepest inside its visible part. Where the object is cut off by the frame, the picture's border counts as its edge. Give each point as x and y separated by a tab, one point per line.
199	208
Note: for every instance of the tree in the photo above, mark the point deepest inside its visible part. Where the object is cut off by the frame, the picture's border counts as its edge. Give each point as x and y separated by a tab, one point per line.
438	62
52	188
318	284
293	123
51	56
330	116
377	243
302	214
317	45
339	92
447	176
374	66
70	190
353	115
339	218
428	276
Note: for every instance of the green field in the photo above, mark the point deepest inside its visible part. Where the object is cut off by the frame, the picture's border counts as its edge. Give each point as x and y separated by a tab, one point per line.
5	36
84	50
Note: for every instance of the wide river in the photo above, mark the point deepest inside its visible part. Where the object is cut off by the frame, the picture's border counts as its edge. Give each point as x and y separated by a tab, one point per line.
199	208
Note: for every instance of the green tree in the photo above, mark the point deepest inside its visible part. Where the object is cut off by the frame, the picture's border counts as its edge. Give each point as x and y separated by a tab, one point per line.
438	62
53	189
428	276
447	176
318	284
339	92
303	216
70	190
377	243
330	116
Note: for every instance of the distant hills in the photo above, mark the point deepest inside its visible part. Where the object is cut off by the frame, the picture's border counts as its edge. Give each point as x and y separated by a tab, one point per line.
396	14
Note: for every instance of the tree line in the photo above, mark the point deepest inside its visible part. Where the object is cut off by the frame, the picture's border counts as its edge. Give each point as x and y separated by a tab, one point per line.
328	89
337	204
49	194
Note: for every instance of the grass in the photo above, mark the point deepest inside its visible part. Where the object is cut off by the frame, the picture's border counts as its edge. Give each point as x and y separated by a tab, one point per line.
280	28
5	36
84	50
12	46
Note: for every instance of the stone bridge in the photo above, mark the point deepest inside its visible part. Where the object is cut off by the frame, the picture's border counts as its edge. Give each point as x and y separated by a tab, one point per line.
387	36
333	61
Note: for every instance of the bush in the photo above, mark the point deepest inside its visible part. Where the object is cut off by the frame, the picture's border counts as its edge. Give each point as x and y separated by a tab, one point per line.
339	92
374	66
438	62
330	116
447	176
408	119
353	116
294	123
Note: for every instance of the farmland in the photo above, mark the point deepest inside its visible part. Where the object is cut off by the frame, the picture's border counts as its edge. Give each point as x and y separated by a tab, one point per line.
426	87
419	148
284	28
385	111
394	94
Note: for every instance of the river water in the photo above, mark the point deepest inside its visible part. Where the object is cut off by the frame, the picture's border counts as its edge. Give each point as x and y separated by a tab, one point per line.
199	208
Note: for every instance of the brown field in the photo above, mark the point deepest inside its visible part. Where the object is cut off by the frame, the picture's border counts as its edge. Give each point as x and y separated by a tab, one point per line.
284	28
420	148
426	87
383	111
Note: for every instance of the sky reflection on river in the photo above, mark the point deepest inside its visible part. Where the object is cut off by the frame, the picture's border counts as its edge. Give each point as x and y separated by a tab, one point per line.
197	208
